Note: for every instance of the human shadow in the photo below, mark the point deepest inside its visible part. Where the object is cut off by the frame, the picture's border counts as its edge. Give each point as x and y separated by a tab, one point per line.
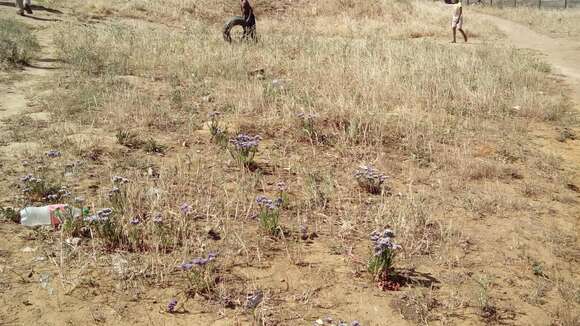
33	7
43	19
30	65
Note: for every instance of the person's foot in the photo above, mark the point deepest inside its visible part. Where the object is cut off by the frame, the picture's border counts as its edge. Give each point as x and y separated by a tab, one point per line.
452	42
21	12
28	9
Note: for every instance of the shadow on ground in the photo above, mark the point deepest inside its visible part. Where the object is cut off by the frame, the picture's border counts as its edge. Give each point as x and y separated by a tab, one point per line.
33	7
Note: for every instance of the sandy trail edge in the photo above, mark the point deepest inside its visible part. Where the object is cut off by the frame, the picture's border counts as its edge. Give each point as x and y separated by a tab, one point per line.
562	55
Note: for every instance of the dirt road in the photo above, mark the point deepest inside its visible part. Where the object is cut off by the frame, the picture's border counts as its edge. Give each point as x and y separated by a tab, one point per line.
563	55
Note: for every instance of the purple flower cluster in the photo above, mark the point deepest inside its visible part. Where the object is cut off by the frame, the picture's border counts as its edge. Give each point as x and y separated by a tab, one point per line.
214	115
243	142
367	172
172	305
30	178
100	216
120	180
185	209
254	299
369	178
135	221
281	186
264	201
198	261
53	153
328	321
158	219
114	191
383	242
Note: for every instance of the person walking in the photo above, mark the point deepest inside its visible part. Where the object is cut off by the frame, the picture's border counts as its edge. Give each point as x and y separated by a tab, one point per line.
24	5
249	19
457	20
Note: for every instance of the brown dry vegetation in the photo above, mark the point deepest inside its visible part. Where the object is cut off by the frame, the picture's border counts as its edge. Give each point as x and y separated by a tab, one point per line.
559	23
485	217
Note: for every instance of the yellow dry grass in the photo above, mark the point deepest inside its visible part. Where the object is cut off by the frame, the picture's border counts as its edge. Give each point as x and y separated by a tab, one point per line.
470	195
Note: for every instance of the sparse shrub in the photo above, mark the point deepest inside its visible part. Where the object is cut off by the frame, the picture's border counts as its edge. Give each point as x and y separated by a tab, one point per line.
244	147
381	262
136	234
202	276
106	227
128	139
370	179
17	43
486	308
153	147
219	134
38	189
307	124
318	189
269	214
10	214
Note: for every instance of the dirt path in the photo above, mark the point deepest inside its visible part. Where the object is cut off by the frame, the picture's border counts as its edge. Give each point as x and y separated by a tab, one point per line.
563	55
20	97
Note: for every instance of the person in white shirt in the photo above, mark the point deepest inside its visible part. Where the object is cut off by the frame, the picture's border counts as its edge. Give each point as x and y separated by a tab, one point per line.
457	20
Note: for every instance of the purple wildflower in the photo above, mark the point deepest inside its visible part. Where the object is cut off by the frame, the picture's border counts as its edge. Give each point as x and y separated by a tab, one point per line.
213	115
135	221
119	179
243	142
27	178
369	178
355	323
268	203
172	305
281	186
198	261
100	216
158	219
185	208
383	242
186	266
53	153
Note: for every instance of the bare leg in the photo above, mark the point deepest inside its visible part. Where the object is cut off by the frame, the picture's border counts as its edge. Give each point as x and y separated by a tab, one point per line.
454	32
463	33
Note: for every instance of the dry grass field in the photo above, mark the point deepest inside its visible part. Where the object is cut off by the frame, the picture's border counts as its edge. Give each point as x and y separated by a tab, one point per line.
142	99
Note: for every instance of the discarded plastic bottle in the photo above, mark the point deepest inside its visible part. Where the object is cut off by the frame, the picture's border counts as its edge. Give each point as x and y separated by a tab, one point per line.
47	215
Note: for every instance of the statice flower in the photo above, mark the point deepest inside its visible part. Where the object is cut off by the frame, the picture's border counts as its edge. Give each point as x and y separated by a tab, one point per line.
214	115
172	305
281	186
113	192
185	208
158	219
369	178
52	197
254	299
198	262
135	221
264	201
53	153
119	179
245	142
100	216
383	242
28	178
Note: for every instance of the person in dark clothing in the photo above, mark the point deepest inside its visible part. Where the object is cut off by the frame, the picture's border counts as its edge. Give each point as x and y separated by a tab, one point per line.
249	19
